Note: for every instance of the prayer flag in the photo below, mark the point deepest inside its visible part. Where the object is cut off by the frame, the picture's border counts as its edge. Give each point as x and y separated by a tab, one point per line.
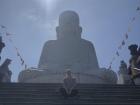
133	19
117	53
138	8
126	36
22	61
8	34
2	26
18	53
123	43
16	49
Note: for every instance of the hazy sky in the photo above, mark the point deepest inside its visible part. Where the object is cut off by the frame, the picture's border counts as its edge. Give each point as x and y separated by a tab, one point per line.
33	22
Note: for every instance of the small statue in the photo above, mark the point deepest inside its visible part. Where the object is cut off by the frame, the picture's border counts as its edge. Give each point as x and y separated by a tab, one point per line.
2	45
134	63
134	68
5	73
124	78
123	68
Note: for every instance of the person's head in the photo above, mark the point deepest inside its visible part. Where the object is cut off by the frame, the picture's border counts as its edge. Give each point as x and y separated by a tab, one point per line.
68	73
68	25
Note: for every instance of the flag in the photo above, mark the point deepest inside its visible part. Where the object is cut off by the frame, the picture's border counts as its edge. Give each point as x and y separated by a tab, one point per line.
22	61
16	49
8	34
117	53
138	8
123	43
126	36
133	19
2	26
18	53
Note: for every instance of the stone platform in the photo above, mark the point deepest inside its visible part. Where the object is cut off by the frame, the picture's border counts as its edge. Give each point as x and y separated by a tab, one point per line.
98	77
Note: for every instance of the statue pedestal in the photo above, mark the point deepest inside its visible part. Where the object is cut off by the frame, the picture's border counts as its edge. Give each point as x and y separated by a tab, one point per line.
124	79
97	77
137	81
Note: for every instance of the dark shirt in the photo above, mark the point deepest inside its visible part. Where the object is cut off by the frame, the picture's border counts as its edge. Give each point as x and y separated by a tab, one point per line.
69	84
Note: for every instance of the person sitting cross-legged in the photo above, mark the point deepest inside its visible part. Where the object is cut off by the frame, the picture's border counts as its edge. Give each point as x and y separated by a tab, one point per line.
69	85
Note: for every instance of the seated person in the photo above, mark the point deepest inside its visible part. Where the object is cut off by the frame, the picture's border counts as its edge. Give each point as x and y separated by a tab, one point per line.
69	85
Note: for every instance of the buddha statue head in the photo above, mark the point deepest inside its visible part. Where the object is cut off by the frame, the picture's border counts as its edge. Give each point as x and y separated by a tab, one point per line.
68	26
133	49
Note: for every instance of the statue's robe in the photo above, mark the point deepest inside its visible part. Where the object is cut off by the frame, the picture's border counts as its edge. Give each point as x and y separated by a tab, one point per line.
79	55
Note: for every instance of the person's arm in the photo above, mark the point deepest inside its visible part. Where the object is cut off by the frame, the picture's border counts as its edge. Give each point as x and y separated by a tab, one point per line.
64	83
66	86
73	85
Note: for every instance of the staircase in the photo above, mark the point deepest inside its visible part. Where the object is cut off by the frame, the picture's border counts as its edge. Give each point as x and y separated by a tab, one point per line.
48	94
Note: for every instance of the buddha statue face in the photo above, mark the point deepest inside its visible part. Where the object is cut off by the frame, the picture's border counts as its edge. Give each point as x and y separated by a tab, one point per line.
68	26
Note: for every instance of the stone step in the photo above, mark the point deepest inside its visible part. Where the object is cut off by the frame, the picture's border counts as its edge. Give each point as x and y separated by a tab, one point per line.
55	84
81	97
121	98
84	90
48	103
55	87
55	92
48	94
80	92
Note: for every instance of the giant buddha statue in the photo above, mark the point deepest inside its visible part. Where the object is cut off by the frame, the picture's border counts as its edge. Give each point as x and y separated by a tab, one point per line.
68	51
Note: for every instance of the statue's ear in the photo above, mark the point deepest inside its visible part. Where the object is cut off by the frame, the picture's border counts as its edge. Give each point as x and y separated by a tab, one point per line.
57	29
80	30
58	32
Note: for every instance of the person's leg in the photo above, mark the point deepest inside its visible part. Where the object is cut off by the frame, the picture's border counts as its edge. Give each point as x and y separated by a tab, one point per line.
63	92
74	92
